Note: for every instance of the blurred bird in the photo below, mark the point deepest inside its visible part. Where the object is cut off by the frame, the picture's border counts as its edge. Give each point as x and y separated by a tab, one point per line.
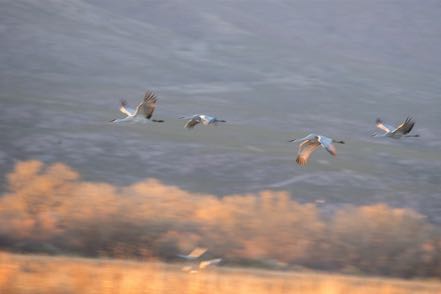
192	269
195	254
206	263
142	113
396	133
203	119
310	143
189	269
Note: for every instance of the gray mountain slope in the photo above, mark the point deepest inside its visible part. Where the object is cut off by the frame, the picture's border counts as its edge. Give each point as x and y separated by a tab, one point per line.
273	69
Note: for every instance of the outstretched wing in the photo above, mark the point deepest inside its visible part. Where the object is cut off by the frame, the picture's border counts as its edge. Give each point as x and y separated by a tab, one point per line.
184	256
305	151
197	252
124	108
206	263
379	123
405	127
147	107
193	122
327	144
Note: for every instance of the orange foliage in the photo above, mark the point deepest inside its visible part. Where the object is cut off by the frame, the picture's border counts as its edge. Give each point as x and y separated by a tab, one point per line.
50	209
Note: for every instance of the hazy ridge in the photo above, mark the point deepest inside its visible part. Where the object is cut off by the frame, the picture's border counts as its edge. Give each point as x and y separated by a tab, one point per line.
273	70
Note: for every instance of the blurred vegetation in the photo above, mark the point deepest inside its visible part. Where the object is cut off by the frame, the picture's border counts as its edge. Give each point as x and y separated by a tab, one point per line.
48	208
21	274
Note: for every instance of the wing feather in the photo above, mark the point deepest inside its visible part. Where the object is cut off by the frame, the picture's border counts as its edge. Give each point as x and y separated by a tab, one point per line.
331	149
380	125
405	127
124	108
197	252
305	151
147	107
193	122
206	263
327	144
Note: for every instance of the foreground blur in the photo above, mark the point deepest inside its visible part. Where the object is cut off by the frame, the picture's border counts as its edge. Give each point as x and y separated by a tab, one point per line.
50	209
38	274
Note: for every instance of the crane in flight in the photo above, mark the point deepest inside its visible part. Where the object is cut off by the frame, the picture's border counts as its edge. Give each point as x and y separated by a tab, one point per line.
143	112
310	143
402	130
202	119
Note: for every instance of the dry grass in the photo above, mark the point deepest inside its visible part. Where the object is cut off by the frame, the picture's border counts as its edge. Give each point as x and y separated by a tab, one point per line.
42	274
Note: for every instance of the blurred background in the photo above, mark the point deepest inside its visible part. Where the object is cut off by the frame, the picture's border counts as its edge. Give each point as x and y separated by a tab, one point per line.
275	70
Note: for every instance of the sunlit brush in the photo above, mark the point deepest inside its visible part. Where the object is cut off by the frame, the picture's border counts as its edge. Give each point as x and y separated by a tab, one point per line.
203	119
142	113
195	254
310	143
402	130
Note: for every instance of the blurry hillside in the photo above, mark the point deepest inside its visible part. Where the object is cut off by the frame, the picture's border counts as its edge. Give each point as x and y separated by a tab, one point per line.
273	69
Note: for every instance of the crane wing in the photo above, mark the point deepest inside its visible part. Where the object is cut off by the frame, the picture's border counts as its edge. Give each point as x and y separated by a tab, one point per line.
197	252
206	263
405	127
194	254
305	151
379	123
327	144
147	107
124	108
193	122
